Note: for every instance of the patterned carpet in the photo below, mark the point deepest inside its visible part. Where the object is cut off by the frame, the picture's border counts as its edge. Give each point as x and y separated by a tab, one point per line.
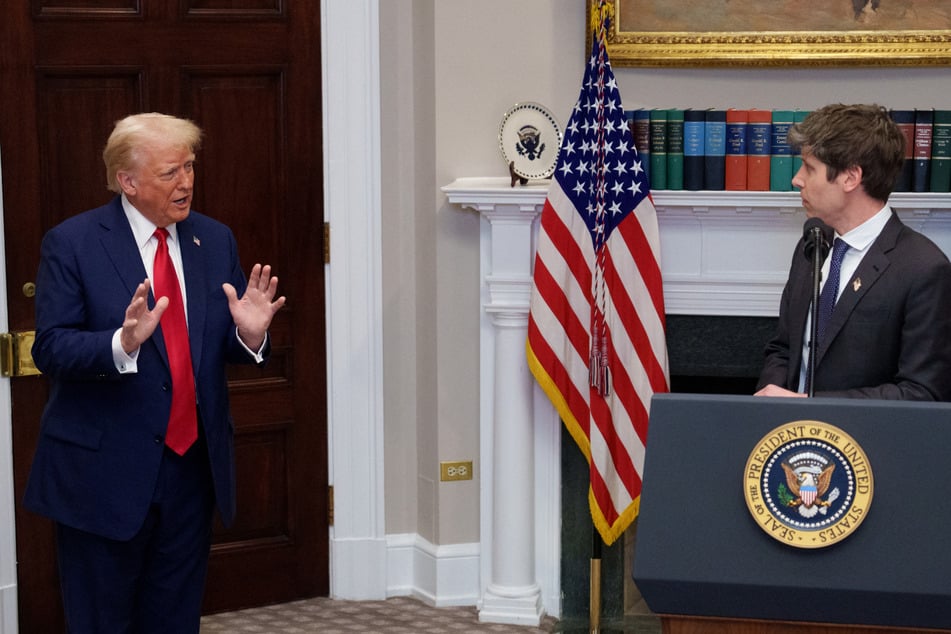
399	615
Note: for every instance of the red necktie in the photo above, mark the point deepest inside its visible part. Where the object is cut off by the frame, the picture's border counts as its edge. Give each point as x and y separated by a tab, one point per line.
183	422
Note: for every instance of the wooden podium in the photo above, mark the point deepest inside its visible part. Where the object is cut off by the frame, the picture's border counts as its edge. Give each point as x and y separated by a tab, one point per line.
706	566
698	625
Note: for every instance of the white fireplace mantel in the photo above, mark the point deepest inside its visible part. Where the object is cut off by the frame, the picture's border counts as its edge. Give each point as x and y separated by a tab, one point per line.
722	253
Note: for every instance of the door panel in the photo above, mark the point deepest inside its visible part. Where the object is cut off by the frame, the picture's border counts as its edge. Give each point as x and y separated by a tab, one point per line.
248	72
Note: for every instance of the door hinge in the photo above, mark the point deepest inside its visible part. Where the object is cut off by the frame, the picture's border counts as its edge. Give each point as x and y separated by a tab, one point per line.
330	505
16	358
326	243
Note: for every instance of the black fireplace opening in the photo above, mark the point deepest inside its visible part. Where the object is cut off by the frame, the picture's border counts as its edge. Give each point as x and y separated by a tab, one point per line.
716	354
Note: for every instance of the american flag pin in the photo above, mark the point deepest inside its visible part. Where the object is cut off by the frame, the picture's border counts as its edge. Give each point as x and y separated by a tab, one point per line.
196	241
856	284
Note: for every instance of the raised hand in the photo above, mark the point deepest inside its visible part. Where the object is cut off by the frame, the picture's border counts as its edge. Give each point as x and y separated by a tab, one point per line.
140	322
252	313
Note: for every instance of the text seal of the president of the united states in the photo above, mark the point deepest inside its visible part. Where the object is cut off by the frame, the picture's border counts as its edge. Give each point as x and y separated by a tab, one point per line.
808	484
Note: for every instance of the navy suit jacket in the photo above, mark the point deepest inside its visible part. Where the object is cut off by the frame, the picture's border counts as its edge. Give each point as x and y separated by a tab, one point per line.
102	436
889	336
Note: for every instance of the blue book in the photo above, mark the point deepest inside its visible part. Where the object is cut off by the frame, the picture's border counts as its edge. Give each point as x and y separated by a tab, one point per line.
694	124
759	149
714	150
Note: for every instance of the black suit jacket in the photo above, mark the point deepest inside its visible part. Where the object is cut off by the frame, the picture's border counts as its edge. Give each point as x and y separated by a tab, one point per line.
890	333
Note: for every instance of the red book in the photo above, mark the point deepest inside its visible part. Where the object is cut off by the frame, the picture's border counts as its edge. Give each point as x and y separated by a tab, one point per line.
758	150
737	122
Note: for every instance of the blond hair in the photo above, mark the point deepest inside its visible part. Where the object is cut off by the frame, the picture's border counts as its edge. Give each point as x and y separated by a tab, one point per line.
131	134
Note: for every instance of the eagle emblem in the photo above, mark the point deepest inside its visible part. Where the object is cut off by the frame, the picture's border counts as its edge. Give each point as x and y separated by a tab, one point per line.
529	142
807	486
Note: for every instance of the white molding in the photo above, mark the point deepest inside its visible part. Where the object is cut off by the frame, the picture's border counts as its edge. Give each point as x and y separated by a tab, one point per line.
9	623
722	253
437	575
352	204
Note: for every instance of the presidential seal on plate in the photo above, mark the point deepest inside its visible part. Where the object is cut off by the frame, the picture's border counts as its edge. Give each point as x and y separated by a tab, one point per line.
808	484
530	139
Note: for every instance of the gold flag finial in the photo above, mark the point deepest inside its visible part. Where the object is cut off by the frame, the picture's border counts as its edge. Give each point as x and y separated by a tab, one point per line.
602	16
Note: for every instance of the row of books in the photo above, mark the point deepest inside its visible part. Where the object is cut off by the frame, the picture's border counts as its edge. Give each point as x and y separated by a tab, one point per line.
748	150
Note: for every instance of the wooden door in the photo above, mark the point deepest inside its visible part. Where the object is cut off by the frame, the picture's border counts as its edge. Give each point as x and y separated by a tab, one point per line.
248	72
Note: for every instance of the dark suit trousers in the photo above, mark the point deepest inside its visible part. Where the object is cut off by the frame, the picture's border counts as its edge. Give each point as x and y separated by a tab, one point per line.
154	582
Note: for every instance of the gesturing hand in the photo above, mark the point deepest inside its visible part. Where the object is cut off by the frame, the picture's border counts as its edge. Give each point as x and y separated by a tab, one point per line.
252	313
140	322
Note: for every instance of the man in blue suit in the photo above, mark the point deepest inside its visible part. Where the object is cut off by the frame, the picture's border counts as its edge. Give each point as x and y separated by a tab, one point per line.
132	497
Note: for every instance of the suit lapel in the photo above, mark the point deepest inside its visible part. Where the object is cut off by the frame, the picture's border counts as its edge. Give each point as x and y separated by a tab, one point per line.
120	247
870	269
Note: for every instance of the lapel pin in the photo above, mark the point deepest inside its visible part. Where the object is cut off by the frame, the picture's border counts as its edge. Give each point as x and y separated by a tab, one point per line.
856	284
198	242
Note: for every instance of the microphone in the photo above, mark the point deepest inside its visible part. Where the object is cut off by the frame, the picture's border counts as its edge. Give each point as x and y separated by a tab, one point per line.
816	234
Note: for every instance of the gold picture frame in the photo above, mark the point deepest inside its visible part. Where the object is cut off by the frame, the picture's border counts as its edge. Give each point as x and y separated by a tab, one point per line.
837	33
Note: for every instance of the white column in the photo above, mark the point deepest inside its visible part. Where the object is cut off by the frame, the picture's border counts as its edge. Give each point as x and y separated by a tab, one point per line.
512	595
509	526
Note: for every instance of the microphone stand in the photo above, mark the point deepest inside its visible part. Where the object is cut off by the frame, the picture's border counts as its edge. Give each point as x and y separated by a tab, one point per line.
815	234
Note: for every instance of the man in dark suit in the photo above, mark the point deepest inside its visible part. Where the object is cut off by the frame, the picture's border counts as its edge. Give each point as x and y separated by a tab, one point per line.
889	333
136	447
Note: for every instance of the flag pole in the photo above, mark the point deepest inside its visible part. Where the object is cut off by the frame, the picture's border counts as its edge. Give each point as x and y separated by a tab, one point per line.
595	583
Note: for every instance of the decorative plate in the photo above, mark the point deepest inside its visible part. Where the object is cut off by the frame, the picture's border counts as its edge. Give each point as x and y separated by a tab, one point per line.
530	139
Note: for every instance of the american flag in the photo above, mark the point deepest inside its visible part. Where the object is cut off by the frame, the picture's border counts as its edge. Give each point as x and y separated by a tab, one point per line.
596	331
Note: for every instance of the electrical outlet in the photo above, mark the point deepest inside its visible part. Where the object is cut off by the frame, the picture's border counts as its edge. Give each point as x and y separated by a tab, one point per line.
460	470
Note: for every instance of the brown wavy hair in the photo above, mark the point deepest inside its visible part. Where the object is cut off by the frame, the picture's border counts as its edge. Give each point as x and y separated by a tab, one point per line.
861	135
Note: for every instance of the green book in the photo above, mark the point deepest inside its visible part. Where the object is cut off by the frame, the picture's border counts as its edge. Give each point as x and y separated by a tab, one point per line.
658	140
780	160
642	139
798	117
941	152
675	149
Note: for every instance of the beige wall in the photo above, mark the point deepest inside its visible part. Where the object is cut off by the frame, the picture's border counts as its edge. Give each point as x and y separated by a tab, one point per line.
451	68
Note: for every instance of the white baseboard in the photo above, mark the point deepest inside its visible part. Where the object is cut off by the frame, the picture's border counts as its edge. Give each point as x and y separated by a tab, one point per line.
8	610
437	575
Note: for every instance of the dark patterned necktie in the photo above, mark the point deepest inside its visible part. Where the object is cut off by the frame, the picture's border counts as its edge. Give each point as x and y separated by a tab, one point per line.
831	289
183	421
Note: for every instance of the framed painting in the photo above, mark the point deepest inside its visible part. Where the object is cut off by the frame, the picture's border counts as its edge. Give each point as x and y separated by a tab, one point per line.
776	32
